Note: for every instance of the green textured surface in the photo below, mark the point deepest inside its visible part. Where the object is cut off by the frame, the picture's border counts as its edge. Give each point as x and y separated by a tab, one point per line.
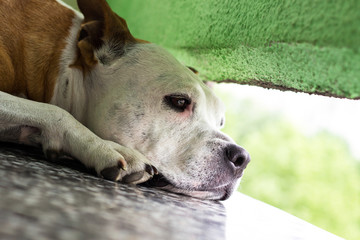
310	46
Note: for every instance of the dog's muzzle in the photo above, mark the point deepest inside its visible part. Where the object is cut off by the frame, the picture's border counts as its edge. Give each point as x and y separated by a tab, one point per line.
235	157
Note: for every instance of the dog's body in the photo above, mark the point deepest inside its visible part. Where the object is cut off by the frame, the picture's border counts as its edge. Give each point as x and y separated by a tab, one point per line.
87	88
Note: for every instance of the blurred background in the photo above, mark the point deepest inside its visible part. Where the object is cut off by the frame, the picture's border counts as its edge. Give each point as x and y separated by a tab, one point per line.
305	153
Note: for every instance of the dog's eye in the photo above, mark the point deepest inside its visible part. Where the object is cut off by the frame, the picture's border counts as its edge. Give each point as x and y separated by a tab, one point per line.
177	102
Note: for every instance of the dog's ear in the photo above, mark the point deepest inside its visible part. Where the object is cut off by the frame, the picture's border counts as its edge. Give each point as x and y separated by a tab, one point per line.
210	84
100	26
193	70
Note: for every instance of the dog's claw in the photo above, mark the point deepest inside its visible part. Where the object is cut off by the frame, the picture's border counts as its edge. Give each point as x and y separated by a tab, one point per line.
156	172
151	170
122	164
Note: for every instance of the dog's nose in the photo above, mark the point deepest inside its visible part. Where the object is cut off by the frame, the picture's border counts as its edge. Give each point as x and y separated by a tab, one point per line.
237	155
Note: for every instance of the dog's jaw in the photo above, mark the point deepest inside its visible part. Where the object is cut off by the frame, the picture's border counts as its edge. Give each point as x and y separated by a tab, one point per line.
222	192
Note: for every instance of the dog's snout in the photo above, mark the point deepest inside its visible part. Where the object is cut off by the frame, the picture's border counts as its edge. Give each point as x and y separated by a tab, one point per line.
237	155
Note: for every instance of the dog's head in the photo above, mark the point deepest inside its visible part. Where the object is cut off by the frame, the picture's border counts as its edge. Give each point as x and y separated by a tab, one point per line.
149	101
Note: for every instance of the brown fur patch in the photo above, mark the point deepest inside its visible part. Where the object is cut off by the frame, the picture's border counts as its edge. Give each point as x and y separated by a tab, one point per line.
100	25
32	38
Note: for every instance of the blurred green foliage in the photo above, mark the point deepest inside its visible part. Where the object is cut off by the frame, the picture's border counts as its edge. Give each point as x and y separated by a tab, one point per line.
312	177
72	3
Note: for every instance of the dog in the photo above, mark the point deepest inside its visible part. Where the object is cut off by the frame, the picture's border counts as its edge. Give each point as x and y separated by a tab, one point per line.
80	84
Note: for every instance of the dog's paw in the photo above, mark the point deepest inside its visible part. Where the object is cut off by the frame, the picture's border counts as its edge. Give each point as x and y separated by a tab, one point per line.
109	159
128	166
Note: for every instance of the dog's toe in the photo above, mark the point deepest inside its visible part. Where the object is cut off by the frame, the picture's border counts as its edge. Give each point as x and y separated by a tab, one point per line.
53	155
112	173
133	177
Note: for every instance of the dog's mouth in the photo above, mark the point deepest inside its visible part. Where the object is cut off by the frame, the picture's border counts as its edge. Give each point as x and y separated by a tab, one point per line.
218	193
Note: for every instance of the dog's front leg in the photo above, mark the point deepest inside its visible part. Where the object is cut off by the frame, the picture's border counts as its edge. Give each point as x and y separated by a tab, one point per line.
35	123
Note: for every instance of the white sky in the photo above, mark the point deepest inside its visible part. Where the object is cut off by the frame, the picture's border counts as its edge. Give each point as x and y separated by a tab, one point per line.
311	113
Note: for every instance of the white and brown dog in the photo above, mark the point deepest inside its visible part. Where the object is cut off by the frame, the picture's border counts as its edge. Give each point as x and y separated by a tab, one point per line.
85	87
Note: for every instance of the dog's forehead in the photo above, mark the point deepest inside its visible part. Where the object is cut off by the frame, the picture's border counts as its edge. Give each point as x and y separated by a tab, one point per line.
149	62
150	67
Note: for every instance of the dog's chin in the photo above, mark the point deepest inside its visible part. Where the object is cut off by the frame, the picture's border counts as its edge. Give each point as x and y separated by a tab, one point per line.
218	193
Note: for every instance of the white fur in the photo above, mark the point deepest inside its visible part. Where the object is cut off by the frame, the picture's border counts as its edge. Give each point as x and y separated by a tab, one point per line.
68	6
74	101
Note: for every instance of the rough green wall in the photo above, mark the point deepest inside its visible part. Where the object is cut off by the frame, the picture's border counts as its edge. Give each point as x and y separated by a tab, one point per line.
310	45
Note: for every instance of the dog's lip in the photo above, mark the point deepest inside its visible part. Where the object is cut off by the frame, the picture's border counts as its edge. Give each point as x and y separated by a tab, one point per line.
218	193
